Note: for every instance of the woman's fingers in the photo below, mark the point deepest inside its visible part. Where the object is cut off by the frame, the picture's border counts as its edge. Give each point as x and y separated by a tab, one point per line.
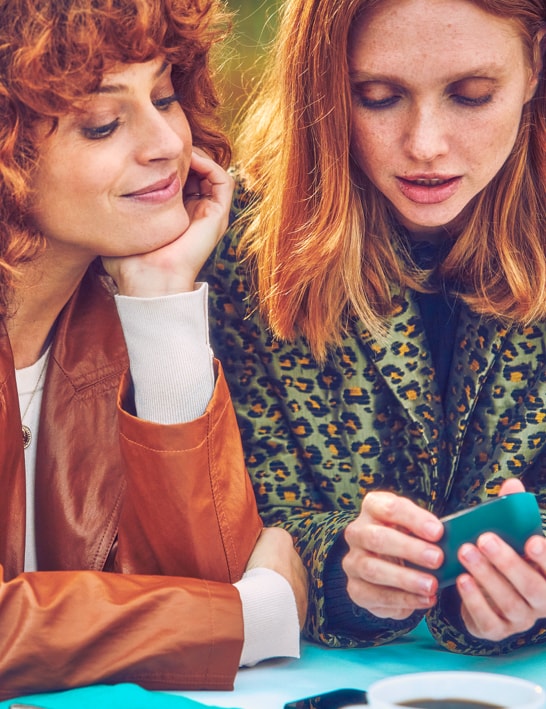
382	541
502	593
397	511
394	543
208	191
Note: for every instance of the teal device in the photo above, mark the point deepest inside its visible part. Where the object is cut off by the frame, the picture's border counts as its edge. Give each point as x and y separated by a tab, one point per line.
514	518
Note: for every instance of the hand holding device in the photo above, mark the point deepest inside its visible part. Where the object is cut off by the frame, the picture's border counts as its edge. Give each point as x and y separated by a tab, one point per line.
389	530
514	518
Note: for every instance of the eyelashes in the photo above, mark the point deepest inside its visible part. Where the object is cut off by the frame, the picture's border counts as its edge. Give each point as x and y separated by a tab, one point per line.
388	101
473	101
98	132
108	129
162	104
378	103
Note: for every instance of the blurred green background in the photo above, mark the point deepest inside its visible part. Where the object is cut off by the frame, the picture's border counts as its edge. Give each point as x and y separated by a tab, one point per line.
242	56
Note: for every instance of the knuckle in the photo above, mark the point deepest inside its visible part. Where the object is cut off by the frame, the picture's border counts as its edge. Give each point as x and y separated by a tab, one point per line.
488	631
353	587
349	564
375	537
356	592
522	621
351	533
534	594
369	569
382	501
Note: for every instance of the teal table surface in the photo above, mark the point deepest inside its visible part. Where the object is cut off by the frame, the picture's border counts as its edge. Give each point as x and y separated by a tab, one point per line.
270	684
102	696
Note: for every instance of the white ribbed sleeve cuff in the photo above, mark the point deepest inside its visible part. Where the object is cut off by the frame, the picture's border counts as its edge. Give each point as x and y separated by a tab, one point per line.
169	354
270	617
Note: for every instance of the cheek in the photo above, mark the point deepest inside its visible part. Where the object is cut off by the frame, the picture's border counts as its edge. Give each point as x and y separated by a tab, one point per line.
63	175
493	145
68	198
369	148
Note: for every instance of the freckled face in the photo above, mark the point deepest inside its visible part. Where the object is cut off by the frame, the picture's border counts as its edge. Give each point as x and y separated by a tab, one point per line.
109	179
438	89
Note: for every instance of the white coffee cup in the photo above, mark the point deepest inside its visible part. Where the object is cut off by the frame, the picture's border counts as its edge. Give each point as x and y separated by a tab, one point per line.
487	688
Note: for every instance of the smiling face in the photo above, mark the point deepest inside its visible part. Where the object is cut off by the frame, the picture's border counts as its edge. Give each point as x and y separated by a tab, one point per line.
438	89
109	179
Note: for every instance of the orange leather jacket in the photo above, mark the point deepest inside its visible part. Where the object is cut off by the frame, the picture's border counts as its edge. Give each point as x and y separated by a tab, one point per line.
141	528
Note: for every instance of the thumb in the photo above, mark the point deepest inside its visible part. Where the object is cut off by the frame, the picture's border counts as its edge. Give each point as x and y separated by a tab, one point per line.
510	486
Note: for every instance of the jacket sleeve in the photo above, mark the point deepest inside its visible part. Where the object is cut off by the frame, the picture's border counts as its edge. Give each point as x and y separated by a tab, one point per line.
189	508
65	629
287	491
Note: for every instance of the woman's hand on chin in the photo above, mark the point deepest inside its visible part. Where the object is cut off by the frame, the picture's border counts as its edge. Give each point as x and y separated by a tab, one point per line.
174	267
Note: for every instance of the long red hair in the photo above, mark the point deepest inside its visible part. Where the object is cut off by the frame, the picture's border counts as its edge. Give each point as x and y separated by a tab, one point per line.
55	52
320	252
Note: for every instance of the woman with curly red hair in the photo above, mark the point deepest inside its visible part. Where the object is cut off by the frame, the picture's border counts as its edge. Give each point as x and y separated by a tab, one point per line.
120	450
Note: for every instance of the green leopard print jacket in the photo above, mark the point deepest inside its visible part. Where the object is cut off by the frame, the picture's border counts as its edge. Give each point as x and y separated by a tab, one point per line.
316	440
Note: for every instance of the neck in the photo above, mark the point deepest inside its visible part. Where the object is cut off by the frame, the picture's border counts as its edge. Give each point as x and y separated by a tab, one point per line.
432	236
42	291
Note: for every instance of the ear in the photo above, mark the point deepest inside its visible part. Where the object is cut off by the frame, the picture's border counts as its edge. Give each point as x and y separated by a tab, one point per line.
539	49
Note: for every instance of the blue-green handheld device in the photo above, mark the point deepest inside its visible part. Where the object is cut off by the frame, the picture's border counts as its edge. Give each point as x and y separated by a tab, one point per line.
513	517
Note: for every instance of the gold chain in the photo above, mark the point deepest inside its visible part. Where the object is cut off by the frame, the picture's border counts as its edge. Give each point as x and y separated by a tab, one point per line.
25	430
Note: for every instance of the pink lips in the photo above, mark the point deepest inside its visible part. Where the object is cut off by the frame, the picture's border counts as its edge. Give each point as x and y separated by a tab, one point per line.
158	192
428	189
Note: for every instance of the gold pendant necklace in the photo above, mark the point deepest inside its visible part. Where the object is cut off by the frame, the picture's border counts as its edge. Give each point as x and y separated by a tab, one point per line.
25	430
27	435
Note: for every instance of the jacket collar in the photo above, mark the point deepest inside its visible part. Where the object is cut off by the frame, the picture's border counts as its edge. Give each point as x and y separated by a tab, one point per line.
404	361
12	466
73	474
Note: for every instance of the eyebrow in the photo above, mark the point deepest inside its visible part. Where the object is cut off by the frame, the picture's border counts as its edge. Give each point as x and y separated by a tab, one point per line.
486	72
117	88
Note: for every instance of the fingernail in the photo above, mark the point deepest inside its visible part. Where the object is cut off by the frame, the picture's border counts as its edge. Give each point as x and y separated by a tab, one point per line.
431	557
425	585
489	543
432	528
535	546
466	582
469	553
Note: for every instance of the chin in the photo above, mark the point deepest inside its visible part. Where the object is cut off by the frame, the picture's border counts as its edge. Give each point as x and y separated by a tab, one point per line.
166	233
431	224
178	226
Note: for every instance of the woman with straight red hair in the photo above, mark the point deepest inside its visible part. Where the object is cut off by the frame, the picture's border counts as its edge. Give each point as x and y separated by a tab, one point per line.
381	306
130	545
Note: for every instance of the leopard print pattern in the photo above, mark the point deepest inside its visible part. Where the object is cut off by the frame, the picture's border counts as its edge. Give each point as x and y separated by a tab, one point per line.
317	439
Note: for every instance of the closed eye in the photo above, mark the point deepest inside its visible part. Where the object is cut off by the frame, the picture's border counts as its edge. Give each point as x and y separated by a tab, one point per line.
163	104
471	100
98	132
378	103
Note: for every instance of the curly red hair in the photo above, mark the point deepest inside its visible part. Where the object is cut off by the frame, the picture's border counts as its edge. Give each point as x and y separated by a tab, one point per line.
55	52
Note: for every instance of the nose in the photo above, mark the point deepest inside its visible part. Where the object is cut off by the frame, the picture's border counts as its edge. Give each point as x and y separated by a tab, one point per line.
162	135
426	135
